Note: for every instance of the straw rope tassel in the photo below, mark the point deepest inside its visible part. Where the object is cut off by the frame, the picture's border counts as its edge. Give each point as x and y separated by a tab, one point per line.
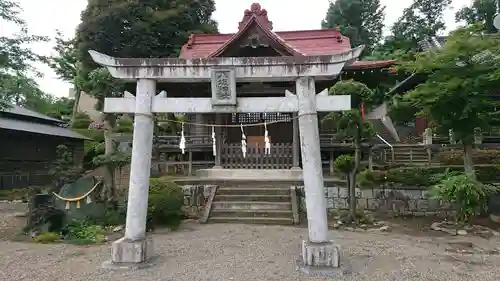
214	146
67	207
182	143
243	142
88	200
267	143
78	204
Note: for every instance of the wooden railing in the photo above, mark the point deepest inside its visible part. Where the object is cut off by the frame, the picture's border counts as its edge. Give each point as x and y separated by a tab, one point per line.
281	157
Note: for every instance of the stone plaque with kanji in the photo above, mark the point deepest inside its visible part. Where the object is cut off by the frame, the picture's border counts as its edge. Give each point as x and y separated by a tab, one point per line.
223	87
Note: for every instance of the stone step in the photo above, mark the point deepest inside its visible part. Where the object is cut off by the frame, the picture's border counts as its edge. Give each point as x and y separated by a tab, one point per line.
253	197
251	205
245	213
252	191
252	220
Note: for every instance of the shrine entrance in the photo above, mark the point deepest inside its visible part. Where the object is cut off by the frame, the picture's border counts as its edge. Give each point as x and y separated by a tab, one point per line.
280	128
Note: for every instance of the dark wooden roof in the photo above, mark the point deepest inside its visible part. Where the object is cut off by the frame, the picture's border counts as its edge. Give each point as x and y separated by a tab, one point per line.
17	118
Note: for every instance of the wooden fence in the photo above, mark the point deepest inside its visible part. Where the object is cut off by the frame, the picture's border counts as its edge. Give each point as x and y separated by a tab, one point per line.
23	180
279	158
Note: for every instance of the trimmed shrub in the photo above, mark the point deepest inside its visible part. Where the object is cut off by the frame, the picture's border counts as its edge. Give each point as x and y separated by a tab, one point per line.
426	176
480	156
165	201
81	121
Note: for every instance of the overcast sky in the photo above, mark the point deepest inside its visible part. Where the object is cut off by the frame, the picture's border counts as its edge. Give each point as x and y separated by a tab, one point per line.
45	16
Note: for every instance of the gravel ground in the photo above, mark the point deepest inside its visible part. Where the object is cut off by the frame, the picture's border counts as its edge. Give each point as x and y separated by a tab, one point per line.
222	252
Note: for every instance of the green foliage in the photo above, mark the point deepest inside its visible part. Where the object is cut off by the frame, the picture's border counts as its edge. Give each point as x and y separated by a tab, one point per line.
480	12
422	19
362	21
14	194
428	176
142	29
124	125
469	195
82	232
350	123
461	82
81	120
165	201
116	160
63	169
366	179
479	156
47	237
96	135
16	59
344	164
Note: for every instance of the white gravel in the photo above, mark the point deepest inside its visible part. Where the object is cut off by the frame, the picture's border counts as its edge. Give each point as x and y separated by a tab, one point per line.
222	252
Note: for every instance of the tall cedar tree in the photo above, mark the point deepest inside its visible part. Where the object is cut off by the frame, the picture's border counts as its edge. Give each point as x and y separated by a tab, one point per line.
360	20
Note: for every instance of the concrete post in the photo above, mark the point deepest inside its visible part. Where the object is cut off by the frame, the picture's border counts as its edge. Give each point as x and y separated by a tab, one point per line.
318	253
134	249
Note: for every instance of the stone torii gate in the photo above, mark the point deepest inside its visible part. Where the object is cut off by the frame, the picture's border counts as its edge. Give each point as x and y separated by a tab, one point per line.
318	253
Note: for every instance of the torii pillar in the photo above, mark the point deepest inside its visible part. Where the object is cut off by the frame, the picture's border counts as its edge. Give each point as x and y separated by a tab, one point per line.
319	254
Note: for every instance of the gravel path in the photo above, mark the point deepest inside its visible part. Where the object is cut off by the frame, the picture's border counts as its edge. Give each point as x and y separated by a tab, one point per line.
261	253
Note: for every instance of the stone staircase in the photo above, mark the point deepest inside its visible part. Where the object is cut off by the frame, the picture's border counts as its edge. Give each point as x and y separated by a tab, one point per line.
252	203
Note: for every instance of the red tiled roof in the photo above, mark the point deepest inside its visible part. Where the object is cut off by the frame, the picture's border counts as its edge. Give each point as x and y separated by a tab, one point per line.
303	42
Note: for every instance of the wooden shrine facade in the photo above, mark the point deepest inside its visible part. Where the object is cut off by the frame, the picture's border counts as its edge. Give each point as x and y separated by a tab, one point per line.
266	67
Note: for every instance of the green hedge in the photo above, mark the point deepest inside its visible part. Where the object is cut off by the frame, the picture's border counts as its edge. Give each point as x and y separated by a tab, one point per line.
96	135
479	156
423	176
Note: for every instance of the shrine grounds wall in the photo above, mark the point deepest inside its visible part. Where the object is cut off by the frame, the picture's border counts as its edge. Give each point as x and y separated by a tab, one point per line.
396	200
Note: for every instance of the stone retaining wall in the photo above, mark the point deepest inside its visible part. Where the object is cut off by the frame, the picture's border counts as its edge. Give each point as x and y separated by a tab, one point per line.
195	199
394	201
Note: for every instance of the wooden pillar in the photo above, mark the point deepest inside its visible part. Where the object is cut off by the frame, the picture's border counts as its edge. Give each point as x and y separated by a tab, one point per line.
218	140
295	142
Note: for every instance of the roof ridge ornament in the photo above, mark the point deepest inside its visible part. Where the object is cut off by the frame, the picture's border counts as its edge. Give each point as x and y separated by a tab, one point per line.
257	12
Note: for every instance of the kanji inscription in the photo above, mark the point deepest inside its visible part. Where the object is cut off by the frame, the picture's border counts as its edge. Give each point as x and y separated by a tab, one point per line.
223	87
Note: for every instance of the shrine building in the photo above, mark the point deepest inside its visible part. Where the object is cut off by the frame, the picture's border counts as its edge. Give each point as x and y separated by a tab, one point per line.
256	38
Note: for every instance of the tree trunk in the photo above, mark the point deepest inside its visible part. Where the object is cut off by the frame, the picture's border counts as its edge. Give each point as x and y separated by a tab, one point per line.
468	162
75	105
352	178
109	149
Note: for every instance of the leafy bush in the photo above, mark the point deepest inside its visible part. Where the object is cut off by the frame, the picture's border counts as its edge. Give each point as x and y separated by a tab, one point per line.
47	237
165	202
96	135
479	156
366	179
428	176
83	232
467	194
14	194
344	164
81	121
124	125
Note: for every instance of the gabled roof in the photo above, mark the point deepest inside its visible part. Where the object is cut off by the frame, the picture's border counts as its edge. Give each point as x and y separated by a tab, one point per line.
297	43
18	118
254	20
21	111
